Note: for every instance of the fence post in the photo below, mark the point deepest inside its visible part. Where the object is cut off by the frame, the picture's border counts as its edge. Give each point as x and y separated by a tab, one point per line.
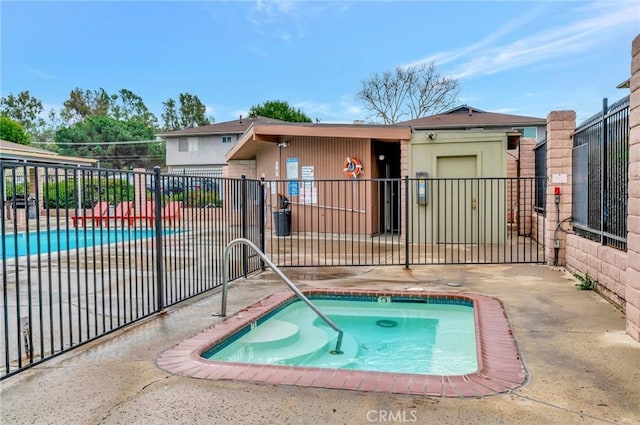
261	227
603	170
407	192
560	128
158	222
243	214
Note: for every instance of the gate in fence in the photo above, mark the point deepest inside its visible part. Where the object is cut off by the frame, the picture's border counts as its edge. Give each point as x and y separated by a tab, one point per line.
403	222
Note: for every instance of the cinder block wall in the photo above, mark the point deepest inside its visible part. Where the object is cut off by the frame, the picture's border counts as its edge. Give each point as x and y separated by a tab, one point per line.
560	127
606	265
617	272
631	278
404	171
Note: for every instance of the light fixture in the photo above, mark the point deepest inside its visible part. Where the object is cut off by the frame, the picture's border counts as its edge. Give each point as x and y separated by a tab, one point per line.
432	135
283	145
381	157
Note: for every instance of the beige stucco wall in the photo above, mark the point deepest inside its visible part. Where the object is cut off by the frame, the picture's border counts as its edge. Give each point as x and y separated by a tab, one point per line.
210	151
484	151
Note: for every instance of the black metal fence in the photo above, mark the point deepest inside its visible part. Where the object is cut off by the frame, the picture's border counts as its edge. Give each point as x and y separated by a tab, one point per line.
540	152
403	222
85	251
600	175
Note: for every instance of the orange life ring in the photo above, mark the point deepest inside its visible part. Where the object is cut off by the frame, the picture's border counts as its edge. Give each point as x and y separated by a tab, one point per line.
352	167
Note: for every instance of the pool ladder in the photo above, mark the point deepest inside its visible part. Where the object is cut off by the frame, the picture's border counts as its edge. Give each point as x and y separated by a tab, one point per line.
294	288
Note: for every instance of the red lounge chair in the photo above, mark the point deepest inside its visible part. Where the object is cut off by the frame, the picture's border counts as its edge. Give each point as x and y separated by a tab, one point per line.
98	213
171	211
142	211
123	209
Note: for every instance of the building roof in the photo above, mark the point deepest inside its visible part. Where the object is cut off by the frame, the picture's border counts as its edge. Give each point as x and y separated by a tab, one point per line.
261	133
238	126
17	152
466	116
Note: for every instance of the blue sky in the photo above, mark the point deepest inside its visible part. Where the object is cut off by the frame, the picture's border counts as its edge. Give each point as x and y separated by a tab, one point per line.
523	58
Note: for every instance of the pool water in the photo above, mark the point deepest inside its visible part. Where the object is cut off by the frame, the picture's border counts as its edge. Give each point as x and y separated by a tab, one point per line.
422	336
20	244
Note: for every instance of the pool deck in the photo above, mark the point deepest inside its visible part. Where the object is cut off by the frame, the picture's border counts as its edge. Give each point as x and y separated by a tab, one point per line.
581	366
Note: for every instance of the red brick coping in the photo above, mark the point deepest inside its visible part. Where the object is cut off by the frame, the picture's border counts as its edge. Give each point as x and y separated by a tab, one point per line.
500	368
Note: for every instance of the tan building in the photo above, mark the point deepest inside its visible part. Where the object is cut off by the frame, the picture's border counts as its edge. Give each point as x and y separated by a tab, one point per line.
295	155
292	156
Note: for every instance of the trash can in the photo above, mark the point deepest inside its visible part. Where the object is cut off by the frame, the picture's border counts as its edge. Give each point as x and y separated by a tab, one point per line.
282	222
32	209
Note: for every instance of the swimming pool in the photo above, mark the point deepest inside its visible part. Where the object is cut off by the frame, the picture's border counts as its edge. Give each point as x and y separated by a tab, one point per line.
499	367
43	242
408	335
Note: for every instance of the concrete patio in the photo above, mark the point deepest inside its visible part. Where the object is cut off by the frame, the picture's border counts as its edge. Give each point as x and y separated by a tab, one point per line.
582	366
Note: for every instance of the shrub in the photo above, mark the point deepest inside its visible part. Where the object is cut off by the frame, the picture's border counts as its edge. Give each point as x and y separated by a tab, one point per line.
17	190
585	282
202	198
64	194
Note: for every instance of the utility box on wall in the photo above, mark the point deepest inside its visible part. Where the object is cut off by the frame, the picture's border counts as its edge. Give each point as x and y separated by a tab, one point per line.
422	189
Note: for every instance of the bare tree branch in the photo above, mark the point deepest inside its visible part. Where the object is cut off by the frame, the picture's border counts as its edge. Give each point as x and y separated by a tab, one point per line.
410	92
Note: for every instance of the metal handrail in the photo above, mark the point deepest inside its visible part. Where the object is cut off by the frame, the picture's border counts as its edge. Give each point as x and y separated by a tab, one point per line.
294	288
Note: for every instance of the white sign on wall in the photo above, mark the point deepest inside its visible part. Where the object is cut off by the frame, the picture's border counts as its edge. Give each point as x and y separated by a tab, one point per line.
308	191
292	168
558	178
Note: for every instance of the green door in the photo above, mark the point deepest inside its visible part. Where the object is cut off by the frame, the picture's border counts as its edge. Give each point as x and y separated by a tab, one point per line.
457	195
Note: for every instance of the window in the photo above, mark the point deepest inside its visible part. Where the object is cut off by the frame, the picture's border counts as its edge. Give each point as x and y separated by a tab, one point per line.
528	132
226	139
187	144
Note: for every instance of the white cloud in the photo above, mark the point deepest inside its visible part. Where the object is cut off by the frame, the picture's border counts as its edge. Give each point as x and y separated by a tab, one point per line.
446	57
40	74
570	38
513	111
268	17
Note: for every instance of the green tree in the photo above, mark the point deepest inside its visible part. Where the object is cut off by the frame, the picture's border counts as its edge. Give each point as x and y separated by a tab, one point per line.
407	92
24	109
129	106
280	110
45	136
98	136
170	116
123	106
83	104
12	131
192	111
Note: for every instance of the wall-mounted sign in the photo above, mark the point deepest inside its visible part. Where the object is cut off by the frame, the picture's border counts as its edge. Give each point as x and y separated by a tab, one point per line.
292	168
307	172
308	190
559	178
292	188
308	193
